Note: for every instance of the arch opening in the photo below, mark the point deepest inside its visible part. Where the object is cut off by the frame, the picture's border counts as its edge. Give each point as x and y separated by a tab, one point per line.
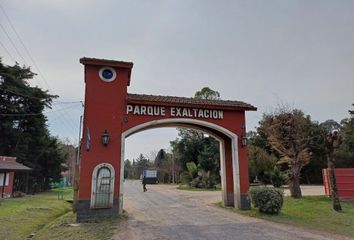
229	163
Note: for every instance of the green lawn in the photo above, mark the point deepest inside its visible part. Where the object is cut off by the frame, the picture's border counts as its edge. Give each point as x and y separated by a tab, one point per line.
19	217
65	227
189	188
49	218
312	212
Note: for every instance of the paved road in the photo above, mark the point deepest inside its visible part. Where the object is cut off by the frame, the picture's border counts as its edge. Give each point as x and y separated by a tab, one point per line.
166	213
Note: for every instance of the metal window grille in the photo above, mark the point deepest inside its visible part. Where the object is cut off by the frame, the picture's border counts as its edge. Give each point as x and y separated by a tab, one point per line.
103	188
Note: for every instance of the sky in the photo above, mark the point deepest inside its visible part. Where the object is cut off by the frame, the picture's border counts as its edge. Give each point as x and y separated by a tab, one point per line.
266	53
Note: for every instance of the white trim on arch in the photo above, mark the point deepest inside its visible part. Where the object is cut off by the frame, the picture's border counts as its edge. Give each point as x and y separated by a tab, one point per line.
94	185
194	124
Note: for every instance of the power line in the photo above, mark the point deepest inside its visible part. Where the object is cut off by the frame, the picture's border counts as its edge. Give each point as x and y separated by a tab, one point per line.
12	43
24	46
32	97
7	51
60	117
20	94
34	114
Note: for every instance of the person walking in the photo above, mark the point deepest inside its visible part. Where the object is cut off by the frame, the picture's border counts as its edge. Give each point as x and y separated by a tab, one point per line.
144	184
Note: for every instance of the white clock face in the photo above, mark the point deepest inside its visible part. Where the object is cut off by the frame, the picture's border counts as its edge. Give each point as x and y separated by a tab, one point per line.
107	74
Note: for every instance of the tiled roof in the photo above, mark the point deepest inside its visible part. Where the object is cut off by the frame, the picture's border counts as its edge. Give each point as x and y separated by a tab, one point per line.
9	164
184	101
106	62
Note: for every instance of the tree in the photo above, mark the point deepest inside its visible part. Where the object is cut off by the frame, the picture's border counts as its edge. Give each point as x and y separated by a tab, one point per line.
207	93
164	165
286	135
260	163
339	144
333	141
141	164
195	146
345	153
311	173
23	129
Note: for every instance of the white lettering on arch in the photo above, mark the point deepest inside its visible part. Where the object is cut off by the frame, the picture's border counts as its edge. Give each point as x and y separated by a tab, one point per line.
183	112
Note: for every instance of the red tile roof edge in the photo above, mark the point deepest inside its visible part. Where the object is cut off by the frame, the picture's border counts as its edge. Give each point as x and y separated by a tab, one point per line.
106	62
172	100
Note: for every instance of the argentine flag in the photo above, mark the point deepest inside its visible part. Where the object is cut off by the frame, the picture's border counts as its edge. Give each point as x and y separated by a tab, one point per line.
88	140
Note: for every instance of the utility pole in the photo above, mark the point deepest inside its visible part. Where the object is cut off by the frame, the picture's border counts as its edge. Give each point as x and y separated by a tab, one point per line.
76	173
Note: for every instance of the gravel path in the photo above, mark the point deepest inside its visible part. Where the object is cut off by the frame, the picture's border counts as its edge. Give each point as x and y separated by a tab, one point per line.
166	213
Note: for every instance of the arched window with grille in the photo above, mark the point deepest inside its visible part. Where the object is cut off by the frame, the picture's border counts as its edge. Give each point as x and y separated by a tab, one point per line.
102	186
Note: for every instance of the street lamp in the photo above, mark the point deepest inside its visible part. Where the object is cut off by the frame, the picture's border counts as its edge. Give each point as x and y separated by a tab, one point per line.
244	139
105	138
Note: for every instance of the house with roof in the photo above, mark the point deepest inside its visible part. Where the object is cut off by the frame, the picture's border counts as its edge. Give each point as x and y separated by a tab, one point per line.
8	168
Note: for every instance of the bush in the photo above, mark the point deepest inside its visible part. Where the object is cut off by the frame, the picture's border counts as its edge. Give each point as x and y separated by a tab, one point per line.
185	178
277	177
267	199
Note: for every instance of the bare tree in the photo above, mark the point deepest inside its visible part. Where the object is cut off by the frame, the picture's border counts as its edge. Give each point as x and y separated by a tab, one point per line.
287	135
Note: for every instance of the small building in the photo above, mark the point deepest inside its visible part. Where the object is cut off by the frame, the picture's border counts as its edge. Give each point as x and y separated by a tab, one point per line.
344	180
8	168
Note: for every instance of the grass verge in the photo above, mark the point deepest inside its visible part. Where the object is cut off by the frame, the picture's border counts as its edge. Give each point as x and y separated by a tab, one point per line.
19	217
65	227
189	188
313	212
49	216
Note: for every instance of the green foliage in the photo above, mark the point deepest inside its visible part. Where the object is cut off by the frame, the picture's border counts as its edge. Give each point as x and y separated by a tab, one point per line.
192	168
345	154
165	166
128	170
161	157
187	147
135	169
23	129
203	150
261	164
207	93
277	177
313	135
288	133
189	174
196	177
266	199
207	179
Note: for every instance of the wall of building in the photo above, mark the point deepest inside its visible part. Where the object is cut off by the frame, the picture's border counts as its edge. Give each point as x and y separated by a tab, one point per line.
8	185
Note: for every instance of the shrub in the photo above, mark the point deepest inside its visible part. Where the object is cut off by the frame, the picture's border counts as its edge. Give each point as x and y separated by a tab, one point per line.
267	199
186	178
277	177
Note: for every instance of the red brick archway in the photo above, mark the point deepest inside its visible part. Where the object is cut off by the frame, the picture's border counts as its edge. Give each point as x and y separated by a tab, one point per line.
108	107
